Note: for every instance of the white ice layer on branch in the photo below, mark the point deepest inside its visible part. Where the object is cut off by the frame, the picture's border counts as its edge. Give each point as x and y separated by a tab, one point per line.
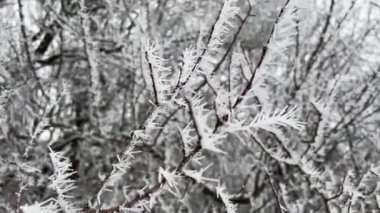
270	121
44	207
198	175
221	191
159	72
61	182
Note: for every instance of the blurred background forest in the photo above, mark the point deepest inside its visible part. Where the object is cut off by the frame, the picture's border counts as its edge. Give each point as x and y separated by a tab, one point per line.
72	79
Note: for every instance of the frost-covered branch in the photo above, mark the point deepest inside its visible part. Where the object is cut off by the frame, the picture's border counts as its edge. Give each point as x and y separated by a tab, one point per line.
226	198
264	51
61	182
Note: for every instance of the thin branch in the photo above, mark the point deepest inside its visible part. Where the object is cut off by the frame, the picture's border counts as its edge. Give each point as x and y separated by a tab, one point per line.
234	40
155	92
27	50
200	57
264	51
375	4
274	192
320	45
243	21
192	115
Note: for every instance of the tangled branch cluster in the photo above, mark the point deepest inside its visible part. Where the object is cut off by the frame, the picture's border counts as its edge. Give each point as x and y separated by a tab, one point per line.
175	106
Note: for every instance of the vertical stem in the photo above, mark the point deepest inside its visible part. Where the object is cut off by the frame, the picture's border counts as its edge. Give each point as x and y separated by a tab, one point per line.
26	46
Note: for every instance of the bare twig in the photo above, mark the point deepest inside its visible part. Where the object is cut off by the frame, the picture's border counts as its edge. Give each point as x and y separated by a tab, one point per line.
264	51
